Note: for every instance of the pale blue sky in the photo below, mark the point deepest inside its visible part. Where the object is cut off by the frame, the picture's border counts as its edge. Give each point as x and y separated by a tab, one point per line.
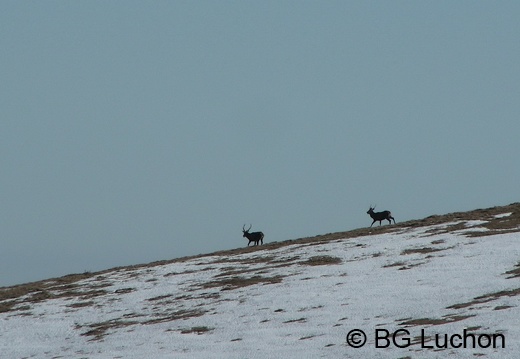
134	131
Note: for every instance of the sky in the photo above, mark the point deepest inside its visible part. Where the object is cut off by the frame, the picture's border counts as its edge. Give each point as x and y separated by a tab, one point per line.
139	131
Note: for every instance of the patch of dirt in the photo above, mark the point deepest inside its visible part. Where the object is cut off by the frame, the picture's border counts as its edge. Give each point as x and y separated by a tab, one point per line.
321	260
81	304
196	330
410	266
431	321
240	282
300	320
36	294
124	290
486	298
514	273
395	264
448	229
160	297
245	261
421	250
98	330
234	271
176	315
439	241
310	337
7	306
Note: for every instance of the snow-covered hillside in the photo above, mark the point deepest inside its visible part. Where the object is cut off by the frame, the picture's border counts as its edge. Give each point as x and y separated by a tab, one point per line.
443	281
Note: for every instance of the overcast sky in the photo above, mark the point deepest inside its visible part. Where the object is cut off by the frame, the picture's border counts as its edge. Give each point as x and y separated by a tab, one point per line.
137	131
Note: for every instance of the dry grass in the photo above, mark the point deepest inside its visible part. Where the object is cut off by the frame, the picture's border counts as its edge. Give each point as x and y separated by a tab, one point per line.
97	331
423	250
240	282
196	330
321	260
20	297
176	315
430	321
514	273
486	298
34	293
395	264
299	320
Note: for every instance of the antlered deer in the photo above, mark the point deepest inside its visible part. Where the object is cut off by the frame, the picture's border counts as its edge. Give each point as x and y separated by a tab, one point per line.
253	236
380	216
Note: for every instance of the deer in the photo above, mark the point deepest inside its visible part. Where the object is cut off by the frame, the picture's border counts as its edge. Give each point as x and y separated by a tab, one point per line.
380	216
253	236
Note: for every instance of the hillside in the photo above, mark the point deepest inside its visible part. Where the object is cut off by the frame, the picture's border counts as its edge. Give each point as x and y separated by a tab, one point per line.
449	284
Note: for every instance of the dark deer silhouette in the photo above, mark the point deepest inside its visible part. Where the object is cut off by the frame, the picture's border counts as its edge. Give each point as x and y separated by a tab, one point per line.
380	216
253	236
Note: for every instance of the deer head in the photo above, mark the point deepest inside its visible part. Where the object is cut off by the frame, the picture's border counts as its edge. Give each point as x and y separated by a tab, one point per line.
246	231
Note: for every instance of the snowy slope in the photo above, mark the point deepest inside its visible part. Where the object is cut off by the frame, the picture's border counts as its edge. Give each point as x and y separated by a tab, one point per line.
297	300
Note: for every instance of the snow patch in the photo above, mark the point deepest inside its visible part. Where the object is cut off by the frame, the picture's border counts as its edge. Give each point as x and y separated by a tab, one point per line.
297	301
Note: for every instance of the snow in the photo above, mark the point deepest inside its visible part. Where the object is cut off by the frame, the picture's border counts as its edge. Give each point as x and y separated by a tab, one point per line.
421	279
